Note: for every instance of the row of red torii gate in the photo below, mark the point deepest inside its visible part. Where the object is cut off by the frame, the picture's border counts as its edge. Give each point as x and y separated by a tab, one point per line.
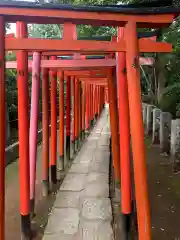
95	70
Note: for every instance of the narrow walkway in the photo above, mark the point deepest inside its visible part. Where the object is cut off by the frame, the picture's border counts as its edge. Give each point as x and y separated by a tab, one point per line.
82	210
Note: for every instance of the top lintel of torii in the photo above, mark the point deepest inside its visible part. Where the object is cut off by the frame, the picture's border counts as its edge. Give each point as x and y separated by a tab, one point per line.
154	15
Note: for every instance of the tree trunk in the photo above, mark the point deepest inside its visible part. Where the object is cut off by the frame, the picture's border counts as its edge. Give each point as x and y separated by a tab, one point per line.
160	72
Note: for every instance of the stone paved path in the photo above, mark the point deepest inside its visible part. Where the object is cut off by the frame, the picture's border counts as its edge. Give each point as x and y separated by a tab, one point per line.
82	210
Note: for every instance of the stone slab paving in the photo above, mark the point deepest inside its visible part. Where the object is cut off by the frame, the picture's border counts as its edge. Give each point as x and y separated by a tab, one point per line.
96	230
73	182
79	168
98	177
82	210
96	189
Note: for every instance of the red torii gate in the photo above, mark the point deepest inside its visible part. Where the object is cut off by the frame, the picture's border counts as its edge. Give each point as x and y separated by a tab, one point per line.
128	48
93	63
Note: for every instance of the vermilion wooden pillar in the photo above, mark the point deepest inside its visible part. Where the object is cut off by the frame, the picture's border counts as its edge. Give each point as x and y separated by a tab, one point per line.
69	33
91	104
23	127
68	117
80	111
98	100
106	95
61	118
113	122
73	113
89	95
103	103
83	109
124	136
102	98
137	132
34	125
53	160
87	106
45	130
2	129
76	117
96	103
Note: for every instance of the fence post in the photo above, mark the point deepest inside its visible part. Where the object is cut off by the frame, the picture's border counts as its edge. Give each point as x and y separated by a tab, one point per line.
165	130
156	126
149	120
144	106
175	145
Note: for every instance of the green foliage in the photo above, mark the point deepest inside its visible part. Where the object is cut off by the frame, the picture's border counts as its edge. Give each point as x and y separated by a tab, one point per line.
87	2
11	86
11	89
171	100
55	31
169	66
45	31
7	26
87	30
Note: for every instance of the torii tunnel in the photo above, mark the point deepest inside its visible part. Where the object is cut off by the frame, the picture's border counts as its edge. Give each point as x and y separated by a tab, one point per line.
95	70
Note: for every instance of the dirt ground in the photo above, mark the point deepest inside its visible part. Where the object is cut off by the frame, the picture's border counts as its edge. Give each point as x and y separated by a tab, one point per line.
164	191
